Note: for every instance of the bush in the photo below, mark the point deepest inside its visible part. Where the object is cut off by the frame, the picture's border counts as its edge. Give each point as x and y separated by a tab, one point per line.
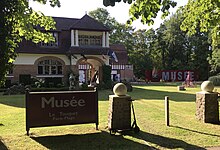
84	86
52	82
128	85
105	85
215	80
25	79
15	89
44	89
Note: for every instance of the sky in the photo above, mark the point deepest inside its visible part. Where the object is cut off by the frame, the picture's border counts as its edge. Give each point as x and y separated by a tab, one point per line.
78	8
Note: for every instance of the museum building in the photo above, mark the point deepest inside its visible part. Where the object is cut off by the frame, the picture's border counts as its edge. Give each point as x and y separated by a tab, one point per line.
81	46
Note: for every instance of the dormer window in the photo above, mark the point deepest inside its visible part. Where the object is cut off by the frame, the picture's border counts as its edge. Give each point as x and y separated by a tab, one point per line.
51	44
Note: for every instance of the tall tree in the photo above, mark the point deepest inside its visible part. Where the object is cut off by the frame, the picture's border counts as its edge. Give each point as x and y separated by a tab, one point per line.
19	21
180	51
205	15
145	9
120	33
140	55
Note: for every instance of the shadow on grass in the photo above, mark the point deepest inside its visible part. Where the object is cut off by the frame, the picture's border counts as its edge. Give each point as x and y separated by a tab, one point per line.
2	145
194	131
139	93
13	100
103	140
166	142
99	141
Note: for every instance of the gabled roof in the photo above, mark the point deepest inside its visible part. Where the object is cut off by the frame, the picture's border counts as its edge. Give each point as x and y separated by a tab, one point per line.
88	23
85	23
64	23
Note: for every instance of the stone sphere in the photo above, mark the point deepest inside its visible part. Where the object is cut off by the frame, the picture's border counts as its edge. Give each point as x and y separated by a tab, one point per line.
120	89
207	86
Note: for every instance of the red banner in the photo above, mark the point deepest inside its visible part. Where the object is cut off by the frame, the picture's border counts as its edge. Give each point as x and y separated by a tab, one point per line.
171	75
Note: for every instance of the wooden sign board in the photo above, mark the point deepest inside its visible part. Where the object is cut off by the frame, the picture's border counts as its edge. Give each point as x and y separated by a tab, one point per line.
61	108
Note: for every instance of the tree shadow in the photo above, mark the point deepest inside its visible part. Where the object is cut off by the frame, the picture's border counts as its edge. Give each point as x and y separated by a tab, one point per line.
13	100
98	140
2	145
103	140
139	93
166	142
215	135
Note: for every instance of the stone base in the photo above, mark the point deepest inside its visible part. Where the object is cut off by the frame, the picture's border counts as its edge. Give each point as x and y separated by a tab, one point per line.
119	117
181	88
207	107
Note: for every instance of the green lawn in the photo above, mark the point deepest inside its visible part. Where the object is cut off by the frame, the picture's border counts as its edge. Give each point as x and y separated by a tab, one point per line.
185	131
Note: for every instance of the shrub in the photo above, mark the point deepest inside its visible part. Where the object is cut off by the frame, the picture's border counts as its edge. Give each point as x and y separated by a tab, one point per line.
128	85
84	86
44	89
25	79
215	80
105	85
15	89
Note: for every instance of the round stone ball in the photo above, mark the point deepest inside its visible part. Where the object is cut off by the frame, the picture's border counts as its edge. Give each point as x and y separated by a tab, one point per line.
207	86
120	89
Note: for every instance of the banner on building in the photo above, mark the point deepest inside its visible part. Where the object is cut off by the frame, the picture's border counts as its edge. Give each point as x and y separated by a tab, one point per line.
170	75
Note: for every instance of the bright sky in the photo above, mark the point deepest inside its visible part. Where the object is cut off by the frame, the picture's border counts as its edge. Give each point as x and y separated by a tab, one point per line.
78	8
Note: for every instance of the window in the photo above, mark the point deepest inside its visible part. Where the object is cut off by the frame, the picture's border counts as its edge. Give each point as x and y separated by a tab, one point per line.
49	67
51	44
90	40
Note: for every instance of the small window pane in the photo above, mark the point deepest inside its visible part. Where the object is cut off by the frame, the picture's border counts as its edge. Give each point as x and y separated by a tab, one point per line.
47	69
40	69
59	69
53	70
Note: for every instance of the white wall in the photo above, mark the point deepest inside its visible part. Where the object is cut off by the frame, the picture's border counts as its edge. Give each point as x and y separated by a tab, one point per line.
29	59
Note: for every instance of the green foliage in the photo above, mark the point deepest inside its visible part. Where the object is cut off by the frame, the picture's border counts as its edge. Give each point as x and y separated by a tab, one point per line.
204	16
178	51
145	9
140	54
106	78
167	47
15	89
120	33
106	71
52	82
19	21
25	79
46	89
215	80
84	86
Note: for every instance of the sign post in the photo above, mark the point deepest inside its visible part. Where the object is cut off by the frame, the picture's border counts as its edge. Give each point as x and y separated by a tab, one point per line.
167	115
61	108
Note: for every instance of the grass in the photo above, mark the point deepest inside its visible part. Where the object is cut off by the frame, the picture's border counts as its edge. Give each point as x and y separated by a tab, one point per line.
185	131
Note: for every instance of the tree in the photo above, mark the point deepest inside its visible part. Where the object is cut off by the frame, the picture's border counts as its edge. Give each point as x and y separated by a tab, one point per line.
120	33
179	50
140	54
205	16
19	21
145	9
